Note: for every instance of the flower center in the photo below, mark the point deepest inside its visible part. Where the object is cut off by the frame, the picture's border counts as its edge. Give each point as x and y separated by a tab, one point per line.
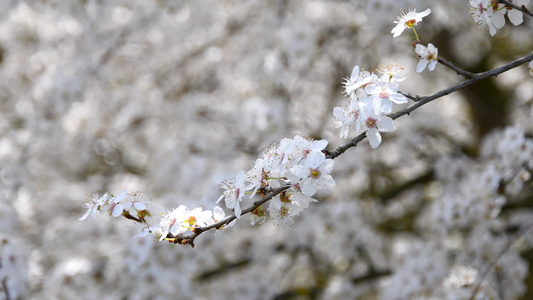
315	173
283	211
191	221
371	122
285	198
259	211
410	23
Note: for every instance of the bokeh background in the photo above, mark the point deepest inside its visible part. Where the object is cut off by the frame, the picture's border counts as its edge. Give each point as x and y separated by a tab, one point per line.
172	97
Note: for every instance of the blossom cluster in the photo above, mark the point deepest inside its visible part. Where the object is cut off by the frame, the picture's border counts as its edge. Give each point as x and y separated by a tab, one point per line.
492	14
300	164
371	97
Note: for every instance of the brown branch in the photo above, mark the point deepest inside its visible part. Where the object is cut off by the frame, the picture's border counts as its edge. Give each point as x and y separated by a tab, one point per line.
415	98
457	70
425	100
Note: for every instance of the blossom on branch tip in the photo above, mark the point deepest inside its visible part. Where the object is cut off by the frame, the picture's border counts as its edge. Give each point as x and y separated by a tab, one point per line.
428	56
408	20
531	68
114	205
94	204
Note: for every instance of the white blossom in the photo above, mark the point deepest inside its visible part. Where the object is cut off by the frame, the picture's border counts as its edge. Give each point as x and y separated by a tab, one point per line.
408	20
313	174
428	56
483	14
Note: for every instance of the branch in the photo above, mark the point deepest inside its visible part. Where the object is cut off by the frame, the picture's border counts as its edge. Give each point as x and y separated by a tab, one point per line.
520	8
189	237
415	98
6	289
425	100
458	70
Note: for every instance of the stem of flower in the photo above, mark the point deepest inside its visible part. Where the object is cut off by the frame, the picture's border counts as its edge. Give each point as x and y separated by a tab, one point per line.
417	39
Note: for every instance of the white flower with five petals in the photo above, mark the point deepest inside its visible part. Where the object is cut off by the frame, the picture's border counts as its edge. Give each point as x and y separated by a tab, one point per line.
375	125
382	94
313	174
428	57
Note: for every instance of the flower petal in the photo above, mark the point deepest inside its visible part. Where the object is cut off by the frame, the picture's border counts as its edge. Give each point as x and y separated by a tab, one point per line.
386	124
421	65
373	137
309	187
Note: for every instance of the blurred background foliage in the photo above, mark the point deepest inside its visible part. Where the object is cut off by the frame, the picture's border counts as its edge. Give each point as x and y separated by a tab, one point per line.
172	97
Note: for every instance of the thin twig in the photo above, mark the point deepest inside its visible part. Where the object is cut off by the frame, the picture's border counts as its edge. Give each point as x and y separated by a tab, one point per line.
6	289
486	273
415	98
